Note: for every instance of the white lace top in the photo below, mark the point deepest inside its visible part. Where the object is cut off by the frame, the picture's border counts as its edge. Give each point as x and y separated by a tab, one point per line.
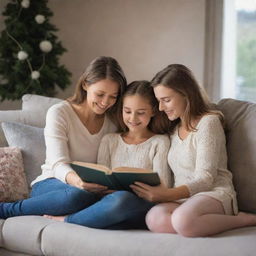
200	162
151	154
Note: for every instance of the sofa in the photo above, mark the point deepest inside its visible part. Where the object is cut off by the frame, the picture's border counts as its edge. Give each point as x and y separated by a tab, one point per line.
36	235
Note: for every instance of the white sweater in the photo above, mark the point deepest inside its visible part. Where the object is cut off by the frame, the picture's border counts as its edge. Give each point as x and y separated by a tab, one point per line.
67	140
200	162
151	154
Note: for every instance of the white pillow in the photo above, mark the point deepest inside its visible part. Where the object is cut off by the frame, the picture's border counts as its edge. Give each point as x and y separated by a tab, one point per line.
34	109
34	118
32	102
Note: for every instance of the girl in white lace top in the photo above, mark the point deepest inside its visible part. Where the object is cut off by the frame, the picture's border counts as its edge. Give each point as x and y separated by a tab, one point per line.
202	201
140	145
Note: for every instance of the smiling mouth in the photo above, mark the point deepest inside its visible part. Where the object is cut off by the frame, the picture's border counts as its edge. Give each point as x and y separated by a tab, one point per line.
168	112
101	107
133	124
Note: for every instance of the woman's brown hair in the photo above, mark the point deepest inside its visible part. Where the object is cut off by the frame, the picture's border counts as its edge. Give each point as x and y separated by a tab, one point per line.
159	123
99	69
180	78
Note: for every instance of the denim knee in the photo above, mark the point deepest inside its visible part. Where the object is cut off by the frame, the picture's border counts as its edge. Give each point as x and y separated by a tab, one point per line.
79	197
121	200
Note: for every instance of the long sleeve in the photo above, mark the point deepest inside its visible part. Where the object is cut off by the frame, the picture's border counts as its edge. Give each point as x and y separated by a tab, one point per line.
104	153
56	140
209	140
160	163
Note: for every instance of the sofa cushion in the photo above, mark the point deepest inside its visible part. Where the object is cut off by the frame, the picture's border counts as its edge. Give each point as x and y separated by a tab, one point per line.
37	102
4	252
1	234
23	233
13	183
31	142
76	240
240	119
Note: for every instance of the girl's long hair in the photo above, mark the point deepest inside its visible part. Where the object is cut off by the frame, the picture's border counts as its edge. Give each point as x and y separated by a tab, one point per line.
159	123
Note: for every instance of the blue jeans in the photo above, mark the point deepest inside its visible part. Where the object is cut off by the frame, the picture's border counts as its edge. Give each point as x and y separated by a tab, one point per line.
119	210
50	196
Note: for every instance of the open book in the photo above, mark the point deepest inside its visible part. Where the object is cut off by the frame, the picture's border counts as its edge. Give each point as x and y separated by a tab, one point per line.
118	179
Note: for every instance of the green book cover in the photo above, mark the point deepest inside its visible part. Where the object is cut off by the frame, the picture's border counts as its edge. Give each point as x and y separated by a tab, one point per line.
118	179
125	179
90	174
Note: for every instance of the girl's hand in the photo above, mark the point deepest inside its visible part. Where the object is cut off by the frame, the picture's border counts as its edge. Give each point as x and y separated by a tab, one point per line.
73	179
153	194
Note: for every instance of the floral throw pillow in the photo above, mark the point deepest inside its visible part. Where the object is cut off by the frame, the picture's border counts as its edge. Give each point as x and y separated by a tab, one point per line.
13	184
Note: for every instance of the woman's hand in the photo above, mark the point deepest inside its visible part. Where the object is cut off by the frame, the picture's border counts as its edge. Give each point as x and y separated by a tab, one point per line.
73	179
154	194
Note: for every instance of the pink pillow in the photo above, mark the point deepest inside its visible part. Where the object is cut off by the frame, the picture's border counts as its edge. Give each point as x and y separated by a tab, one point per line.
13	184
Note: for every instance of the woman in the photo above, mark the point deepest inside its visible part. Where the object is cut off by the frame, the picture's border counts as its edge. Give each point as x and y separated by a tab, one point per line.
202	201
73	131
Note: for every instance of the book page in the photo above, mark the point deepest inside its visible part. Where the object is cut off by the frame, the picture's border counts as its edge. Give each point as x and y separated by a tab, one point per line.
131	170
94	166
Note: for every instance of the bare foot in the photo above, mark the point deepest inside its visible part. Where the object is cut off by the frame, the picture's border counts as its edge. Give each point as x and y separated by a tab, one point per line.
248	218
59	218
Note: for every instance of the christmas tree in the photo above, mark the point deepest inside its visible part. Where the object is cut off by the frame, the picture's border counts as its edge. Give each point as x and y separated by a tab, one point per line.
30	51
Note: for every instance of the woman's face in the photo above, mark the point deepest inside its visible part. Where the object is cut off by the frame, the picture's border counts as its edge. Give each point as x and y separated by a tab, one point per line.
170	101
137	113
101	95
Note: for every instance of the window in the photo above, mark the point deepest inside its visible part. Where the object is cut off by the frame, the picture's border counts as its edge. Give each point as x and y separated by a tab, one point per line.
230	49
246	50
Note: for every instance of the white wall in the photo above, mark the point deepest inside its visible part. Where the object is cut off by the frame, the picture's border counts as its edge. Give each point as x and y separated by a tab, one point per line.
144	35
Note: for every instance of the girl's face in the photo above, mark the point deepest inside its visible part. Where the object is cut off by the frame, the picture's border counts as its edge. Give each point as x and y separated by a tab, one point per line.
137	112
101	95
170	101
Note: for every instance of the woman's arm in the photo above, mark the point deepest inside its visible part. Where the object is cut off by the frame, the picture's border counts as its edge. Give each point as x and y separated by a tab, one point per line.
57	150
210	139
160	194
56	140
160	163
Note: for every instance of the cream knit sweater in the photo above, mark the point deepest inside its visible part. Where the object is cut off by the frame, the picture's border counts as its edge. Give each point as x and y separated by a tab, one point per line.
151	154
200	162
67	139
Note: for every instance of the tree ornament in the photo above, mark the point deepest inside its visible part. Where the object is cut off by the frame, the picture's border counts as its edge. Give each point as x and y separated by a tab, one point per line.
25	3
40	19
45	46
22	55
35	75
